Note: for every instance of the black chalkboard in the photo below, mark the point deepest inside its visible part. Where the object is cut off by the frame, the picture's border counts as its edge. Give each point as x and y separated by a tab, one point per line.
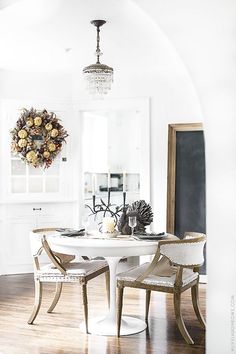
190	183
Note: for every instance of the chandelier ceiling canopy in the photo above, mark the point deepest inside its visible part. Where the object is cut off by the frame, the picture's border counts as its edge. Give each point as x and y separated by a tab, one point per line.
99	77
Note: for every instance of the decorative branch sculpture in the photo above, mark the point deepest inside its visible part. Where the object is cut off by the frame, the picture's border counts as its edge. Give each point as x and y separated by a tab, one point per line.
106	208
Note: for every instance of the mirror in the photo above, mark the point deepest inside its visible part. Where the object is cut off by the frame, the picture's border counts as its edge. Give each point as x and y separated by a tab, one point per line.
111	145
115	151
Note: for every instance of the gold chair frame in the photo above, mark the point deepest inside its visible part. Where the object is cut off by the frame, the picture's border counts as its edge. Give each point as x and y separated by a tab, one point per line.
59	260
176	290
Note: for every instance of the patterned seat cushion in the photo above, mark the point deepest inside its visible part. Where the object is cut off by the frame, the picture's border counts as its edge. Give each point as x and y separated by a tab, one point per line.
75	271
152	279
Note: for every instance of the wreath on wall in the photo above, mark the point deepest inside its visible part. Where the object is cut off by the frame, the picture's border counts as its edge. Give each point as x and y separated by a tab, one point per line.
37	137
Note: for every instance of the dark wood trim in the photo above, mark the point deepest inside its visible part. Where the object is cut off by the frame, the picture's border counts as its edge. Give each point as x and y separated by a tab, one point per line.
171	169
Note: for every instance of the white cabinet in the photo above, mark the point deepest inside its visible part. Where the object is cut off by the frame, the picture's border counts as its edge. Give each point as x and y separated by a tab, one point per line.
16	257
16	223
32	197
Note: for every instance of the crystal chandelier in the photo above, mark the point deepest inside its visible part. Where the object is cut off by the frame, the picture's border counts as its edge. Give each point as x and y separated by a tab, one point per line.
98	76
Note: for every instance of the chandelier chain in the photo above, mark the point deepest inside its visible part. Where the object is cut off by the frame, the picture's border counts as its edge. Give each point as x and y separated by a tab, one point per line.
98	48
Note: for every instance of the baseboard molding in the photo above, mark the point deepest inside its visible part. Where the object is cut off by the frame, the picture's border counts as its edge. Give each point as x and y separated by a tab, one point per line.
11	269
20	269
203	278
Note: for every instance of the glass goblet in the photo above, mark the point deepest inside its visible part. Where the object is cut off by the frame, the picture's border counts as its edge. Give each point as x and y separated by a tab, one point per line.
132	223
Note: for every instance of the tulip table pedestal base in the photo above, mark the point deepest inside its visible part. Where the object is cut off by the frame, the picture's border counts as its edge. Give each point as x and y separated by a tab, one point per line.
106	326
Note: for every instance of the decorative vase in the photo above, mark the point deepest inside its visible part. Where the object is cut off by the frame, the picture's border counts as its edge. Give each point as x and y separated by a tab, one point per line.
142	211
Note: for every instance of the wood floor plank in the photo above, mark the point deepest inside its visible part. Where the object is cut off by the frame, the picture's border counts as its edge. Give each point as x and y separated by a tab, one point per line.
59	333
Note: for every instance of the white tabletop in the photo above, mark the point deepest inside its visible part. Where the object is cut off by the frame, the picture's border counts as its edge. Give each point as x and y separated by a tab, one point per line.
117	247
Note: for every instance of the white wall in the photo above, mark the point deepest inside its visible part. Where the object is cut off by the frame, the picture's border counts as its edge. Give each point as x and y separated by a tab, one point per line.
35	86
203	33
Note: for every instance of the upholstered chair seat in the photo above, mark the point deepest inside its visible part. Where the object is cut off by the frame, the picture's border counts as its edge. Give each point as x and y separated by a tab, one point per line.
174	269
159	280
61	269
75	272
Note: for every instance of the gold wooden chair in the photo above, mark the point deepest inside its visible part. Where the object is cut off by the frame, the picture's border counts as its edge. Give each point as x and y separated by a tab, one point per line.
62	270
174	269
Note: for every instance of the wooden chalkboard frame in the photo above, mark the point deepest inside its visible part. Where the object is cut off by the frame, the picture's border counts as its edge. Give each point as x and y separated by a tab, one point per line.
171	169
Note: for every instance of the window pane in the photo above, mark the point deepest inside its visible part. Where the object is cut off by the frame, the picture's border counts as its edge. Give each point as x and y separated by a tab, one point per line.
18	167
35	170
51	185
18	185
35	185
53	169
133	182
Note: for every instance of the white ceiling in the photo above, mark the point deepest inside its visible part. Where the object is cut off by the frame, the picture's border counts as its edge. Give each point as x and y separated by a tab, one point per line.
203	32
56	36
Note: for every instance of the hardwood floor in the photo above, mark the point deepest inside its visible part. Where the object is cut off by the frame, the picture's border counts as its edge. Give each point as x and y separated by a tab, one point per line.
59	333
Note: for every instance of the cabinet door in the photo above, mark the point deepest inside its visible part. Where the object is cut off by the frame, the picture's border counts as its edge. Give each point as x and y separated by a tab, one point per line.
17	256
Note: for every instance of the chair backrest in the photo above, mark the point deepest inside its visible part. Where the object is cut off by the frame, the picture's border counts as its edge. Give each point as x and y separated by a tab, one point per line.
187	252
190	234
36	240
39	244
51	255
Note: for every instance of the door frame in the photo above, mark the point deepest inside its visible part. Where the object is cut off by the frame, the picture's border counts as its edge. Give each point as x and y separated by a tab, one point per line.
171	169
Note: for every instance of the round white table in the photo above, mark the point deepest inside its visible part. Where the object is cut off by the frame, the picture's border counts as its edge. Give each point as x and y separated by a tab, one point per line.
112	250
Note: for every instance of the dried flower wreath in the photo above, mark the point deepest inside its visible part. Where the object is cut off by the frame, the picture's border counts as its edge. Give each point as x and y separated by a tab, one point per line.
37	137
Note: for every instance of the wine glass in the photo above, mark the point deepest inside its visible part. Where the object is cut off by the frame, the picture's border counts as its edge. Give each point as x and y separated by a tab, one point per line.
132	223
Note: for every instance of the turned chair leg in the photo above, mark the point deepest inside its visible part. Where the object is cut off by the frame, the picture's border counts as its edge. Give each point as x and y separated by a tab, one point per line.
85	304
148	295
119	308
179	318
56	297
195	301
37	301
107	275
